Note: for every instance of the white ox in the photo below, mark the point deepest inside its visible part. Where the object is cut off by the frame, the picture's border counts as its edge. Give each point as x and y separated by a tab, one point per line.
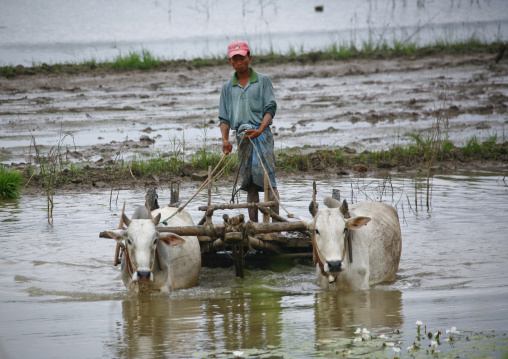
175	264
375	243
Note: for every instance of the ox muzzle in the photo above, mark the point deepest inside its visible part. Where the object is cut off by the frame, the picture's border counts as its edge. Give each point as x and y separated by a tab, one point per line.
334	267
143	275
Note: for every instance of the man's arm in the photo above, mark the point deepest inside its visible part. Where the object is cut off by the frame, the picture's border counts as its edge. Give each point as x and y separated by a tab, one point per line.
227	147
270	106
252	134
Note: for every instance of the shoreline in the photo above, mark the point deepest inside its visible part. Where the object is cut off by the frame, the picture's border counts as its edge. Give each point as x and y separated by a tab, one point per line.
437	112
317	165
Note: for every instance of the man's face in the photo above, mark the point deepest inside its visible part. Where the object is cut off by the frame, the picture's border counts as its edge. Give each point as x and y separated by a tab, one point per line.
240	63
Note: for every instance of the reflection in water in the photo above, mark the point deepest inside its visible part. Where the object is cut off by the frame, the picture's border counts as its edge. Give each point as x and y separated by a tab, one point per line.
246	319
155	325
159	326
344	312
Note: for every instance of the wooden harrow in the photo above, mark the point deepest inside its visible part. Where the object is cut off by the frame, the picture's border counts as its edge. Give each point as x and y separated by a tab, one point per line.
235	239
239	235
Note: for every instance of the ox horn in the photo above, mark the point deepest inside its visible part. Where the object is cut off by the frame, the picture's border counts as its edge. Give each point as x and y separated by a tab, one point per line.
126	219
148	208
313	209
313	206
344	209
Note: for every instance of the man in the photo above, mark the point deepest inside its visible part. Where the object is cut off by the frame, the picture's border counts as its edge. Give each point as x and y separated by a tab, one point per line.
247	105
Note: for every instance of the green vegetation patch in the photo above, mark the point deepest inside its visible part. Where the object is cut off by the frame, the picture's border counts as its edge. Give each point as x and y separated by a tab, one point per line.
370	345
10	183
144	59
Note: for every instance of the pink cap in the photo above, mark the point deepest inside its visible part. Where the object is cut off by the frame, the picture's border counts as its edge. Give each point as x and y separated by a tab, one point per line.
238	48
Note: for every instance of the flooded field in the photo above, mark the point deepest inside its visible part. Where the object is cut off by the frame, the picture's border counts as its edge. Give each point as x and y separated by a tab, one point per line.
361	104
62	297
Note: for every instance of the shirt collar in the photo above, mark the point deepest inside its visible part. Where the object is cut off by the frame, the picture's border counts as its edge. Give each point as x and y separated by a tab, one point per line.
253	77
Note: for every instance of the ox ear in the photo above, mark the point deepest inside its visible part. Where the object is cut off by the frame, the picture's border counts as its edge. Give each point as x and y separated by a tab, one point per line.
309	222
118	234
357	222
170	239
156	219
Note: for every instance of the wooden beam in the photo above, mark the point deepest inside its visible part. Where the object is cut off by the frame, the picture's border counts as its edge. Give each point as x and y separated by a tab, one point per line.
236	205
219	230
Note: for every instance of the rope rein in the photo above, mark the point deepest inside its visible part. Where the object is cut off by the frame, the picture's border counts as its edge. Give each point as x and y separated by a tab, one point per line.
290	215
180	209
220	173
317	255
131	267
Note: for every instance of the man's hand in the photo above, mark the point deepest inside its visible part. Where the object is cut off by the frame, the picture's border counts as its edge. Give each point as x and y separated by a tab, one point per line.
252	134
227	147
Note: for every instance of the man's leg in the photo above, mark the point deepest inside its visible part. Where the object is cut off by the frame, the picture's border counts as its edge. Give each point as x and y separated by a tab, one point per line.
253	196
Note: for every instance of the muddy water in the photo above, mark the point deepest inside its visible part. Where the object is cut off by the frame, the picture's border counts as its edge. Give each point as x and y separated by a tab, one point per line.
62	297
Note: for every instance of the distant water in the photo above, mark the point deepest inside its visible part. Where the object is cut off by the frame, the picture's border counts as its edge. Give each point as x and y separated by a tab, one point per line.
56	31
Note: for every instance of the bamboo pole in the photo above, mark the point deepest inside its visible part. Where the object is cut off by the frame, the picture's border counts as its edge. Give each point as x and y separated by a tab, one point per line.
237	205
219	230
209	185
266	216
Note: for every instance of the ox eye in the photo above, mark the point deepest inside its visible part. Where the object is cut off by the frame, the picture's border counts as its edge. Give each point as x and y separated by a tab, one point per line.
129	242
317	232
155	241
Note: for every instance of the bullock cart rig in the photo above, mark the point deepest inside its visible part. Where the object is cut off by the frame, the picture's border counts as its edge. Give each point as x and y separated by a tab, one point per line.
240	242
237	241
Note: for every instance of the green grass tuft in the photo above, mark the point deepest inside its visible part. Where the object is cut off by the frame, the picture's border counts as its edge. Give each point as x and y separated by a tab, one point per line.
10	183
136	60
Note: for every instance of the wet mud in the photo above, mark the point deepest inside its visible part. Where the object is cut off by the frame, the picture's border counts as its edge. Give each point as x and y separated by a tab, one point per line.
100	117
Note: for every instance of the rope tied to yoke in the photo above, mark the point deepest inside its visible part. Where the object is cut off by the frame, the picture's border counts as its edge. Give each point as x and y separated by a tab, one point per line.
220	173
290	215
131	267
317	255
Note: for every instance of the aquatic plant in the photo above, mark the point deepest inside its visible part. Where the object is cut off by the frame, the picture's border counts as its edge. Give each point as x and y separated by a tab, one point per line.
437	335
10	183
452	332
433	345
474	345
50	165
418	325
